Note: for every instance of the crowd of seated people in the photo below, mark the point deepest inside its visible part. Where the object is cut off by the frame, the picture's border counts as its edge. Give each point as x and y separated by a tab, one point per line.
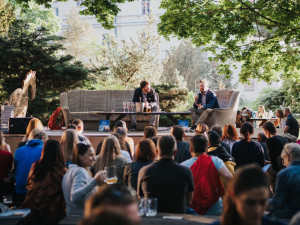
214	173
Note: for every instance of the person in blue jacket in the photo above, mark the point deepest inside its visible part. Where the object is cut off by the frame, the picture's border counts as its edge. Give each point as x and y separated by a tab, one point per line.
25	156
205	101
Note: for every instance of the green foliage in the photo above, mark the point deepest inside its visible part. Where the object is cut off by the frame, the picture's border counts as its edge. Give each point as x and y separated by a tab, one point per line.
262	35
80	37
37	16
21	51
191	63
172	98
286	96
6	16
104	10
132	60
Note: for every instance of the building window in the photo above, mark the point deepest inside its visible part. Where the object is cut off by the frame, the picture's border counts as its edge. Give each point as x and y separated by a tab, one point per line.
250	86
145	6
56	11
79	2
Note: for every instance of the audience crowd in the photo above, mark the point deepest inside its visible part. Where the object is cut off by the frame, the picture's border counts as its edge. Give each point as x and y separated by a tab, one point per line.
216	172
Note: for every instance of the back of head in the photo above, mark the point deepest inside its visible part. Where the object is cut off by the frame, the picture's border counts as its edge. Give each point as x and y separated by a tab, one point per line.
218	129
247	178
72	126
69	140
261	137
166	146
201	128
150	131
78	123
122	131
199	143
109	150
293	150
120	123
38	134
104	216
145	150
80	149
247	130
178	132
109	195
33	124
230	132
214	138
52	156
270	127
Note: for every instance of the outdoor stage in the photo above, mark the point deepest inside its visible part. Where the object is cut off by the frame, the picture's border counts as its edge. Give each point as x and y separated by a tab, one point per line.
95	136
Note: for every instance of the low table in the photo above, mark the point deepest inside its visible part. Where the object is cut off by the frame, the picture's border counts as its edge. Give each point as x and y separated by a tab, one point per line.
156	220
121	115
263	120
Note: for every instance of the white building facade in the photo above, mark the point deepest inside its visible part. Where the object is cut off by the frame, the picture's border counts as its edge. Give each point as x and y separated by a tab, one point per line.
131	19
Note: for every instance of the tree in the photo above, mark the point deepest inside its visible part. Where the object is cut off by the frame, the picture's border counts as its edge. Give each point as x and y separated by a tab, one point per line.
104	10
286	96
189	62
133	60
263	35
6	16
21	51
79	36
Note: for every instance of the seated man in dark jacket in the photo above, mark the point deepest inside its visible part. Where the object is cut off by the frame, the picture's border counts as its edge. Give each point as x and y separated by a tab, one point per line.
145	94
205	101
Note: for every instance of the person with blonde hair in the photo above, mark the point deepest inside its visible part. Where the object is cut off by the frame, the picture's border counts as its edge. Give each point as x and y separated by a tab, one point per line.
110	155
68	141
33	124
3	145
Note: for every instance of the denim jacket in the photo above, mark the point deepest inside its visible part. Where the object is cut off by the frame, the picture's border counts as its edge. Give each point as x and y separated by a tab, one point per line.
286	199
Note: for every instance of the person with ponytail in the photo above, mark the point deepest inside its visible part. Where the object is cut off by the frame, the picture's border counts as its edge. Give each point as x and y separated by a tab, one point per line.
246	199
247	151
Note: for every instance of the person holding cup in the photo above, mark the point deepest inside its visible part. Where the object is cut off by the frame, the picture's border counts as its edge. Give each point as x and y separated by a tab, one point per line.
110	155
78	183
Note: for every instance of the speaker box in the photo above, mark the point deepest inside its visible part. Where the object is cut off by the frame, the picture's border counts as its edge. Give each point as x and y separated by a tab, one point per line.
18	125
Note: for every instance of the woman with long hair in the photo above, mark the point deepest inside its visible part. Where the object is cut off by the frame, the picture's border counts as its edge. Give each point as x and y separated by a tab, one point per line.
230	135
78	183
69	140
45	197
145	154
281	120
33	124
246	199
110	155
247	151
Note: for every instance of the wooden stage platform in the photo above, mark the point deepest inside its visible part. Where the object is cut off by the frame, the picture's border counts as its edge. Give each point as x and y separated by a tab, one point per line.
95	136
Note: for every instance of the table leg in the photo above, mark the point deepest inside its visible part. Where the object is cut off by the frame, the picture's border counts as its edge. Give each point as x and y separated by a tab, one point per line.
173	119
262	122
120	117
